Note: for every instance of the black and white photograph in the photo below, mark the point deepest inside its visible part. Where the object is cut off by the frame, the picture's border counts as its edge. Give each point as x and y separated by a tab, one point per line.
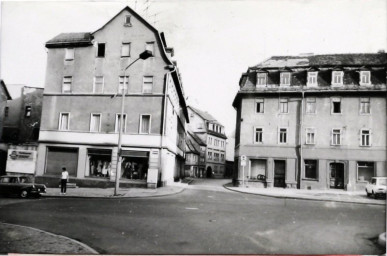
193	127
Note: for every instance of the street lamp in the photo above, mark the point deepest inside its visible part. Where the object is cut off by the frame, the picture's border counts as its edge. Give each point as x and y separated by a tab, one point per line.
144	55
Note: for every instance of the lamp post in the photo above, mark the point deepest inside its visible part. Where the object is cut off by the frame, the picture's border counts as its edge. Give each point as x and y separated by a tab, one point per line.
144	55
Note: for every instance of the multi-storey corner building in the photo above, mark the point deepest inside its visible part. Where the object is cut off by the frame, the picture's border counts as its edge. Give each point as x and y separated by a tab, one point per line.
20	130
82	105
210	131
312	122
4	97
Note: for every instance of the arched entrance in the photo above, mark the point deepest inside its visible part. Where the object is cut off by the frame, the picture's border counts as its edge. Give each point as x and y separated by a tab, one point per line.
209	172
336	175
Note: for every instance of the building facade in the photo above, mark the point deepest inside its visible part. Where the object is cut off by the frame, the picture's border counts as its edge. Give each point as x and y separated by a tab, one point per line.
210	131
312	122
86	74
20	131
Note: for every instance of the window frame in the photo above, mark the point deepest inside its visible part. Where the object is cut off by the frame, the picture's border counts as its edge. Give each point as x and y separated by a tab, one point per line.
123	84
150	124
122	49
311	100
283	102
116	126
209	155
97	55
340	74
357	170
91	120
333	143
70	84
362	74
255	135
261	75
69	54
60	121
126	23
368	135
144	83
286	135
310	130
283	78
364	100
95	82
310	76
316	170
261	101
334	100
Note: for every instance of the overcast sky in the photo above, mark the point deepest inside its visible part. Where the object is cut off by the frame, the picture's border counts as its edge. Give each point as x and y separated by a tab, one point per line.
214	40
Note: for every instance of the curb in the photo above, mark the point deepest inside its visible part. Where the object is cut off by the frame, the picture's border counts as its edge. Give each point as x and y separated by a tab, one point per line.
92	251
111	196
301	198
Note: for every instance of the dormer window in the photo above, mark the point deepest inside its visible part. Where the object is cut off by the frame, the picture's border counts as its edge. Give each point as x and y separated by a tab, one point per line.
365	77
285	79
127	22
261	79
312	79
337	77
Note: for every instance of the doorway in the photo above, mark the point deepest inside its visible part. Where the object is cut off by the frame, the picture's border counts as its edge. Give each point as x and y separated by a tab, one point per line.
336	175
279	173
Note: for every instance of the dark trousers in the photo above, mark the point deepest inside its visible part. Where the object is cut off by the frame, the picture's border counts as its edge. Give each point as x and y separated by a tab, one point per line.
63	185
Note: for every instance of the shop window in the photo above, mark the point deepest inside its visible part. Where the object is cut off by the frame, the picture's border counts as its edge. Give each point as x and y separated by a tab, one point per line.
59	157
311	169
134	165
99	163
365	171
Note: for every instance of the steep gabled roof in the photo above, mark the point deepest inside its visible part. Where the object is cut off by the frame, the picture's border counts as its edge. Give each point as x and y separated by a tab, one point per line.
70	39
205	115
5	90
198	140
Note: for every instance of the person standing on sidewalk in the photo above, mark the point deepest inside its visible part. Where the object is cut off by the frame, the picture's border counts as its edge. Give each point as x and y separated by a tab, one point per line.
63	181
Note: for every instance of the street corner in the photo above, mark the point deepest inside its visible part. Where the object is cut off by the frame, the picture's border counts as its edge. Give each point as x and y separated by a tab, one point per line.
49	243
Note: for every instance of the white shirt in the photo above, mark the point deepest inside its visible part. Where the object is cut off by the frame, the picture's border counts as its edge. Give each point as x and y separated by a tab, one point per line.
65	175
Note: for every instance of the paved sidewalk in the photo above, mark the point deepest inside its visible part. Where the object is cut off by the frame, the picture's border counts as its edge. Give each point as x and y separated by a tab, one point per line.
318	195
122	192
21	239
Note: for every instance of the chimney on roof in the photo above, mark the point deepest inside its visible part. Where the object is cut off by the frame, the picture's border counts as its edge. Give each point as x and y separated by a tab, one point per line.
306	54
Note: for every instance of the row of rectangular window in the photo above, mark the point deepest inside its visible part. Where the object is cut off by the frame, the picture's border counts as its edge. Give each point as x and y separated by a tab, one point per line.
310	105
310	135
216	142
365	171
101	50
98	84
216	156
96	119
337	78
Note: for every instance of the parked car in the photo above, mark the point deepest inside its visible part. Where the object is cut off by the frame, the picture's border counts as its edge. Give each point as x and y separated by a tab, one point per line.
377	187
22	186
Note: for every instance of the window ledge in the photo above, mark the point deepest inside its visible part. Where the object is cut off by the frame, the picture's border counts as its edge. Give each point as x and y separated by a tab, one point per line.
310	179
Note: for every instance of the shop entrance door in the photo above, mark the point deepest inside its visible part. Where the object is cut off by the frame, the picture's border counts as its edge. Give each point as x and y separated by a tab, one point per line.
279	173
336	175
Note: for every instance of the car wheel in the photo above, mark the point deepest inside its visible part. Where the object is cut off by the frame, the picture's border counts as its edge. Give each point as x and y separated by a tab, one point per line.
368	194
23	194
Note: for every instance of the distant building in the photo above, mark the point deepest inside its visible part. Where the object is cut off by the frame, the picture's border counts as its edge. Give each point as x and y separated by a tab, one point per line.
312	122
81	116
20	131
4	98
212	133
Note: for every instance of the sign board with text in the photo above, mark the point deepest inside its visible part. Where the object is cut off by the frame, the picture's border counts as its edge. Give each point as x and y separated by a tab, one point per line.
21	161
